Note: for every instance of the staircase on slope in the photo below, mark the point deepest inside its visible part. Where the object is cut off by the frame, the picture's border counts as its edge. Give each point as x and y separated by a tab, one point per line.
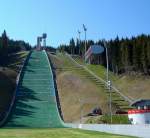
117	99
35	104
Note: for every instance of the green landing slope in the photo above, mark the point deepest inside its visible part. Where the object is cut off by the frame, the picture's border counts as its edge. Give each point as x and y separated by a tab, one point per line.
35	105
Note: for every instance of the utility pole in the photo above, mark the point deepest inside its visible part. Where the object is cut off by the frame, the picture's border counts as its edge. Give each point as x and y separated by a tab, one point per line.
85	29
107	73
79	41
108	83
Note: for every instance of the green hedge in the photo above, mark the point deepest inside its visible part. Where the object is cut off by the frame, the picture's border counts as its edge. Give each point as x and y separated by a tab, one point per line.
105	119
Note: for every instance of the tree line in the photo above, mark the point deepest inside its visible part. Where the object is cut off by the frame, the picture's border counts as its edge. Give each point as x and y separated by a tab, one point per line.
126	55
10	46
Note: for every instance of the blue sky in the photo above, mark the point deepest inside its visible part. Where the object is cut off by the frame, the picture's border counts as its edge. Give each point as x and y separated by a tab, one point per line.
60	19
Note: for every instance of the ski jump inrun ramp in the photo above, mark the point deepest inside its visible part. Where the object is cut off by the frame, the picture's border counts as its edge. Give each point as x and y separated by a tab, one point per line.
34	104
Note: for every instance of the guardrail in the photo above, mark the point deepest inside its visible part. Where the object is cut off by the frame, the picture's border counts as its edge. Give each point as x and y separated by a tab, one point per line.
7	113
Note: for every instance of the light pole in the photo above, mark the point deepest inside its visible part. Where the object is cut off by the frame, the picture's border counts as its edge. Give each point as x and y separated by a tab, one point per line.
79	40
85	29
108	83
107	73
110	100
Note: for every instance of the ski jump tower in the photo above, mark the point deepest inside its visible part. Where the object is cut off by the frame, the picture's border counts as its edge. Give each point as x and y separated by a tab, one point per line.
44	39
39	40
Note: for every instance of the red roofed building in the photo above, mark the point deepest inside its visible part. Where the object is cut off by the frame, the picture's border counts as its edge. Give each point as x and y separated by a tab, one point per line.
140	115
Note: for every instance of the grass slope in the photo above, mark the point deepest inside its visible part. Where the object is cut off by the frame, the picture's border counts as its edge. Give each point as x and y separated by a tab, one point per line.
133	85
7	86
8	79
79	91
54	133
137	86
100	71
16	60
78	95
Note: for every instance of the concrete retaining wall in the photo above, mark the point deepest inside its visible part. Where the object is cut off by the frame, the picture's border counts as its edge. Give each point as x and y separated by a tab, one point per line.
142	131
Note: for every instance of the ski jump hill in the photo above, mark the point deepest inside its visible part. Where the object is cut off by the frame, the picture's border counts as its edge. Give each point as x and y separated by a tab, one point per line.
34	104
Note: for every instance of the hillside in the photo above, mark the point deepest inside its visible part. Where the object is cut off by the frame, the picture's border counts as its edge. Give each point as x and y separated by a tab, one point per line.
74	90
8	79
135	86
80	92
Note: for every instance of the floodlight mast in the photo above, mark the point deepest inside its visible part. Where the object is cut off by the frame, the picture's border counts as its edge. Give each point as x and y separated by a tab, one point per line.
85	29
107	73
109	85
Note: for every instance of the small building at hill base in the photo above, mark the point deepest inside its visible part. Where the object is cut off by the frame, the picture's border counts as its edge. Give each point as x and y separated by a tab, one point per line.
140	115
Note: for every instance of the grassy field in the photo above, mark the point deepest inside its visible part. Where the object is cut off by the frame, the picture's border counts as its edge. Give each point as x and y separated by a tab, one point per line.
54	133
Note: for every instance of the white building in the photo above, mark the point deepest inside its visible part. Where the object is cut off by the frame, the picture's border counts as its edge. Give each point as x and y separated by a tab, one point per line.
140	115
